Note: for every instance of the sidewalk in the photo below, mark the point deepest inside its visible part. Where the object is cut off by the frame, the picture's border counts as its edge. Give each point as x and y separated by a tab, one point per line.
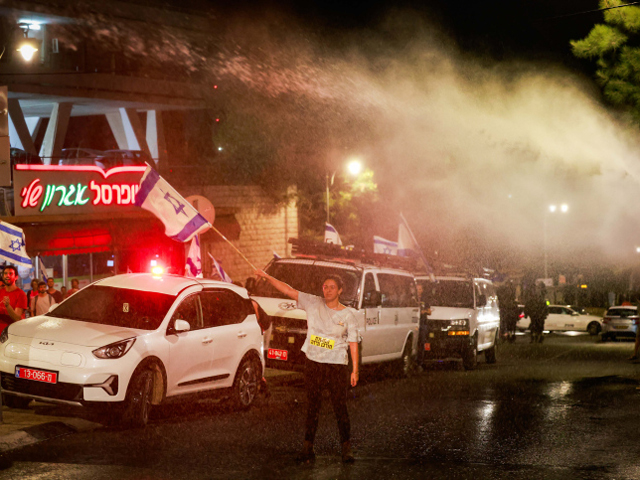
23	427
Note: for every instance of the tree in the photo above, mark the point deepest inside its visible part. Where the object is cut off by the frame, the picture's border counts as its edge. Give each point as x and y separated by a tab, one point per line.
614	47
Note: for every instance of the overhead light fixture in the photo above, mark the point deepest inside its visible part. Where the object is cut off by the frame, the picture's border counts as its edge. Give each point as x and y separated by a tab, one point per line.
28	46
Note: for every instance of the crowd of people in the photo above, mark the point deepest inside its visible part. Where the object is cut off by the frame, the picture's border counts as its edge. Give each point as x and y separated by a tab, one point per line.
16	304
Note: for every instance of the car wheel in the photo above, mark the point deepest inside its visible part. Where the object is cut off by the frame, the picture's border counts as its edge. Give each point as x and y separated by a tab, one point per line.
138	401
470	356
594	328
13	401
491	354
245	385
406	364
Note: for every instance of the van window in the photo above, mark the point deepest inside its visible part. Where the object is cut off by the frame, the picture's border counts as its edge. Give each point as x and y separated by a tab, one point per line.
369	288
397	290
452	293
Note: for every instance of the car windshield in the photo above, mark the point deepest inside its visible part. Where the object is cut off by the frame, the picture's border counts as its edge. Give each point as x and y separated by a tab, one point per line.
119	307
622	312
450	293
309	278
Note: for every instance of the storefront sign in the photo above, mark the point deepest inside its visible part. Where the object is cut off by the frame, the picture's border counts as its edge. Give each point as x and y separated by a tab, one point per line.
62	190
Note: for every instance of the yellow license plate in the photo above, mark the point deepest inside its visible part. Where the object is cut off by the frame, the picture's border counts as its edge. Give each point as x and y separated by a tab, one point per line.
322	342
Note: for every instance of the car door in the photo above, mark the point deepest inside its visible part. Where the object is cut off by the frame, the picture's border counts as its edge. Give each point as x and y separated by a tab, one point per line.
373	334
224	313
390	327
190	353
408	308
554	319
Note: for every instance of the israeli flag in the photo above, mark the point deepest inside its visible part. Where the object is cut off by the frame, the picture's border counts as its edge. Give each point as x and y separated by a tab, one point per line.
194	262
12	245
331	235
43	270
382	245
219	271
181	221
408	245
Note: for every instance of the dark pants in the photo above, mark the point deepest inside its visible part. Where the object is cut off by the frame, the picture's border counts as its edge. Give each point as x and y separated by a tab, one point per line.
335	378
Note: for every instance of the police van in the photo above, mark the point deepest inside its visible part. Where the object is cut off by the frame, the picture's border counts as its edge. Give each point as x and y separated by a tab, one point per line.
464	319
384	297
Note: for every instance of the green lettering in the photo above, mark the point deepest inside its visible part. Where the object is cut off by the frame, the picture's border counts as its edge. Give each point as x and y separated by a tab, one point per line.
48	197
79	195
67	198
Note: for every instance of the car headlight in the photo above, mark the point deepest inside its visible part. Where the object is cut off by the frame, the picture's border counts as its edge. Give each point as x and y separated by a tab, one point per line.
115	350
5	335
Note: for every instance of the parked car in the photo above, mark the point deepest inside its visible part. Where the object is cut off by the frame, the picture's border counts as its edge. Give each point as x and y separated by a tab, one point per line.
133	341
563	319
79	156
20	157
384	299
620	322
118	158
464	320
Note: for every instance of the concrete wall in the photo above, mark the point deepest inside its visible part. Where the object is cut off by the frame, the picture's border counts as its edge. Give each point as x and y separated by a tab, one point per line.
265	228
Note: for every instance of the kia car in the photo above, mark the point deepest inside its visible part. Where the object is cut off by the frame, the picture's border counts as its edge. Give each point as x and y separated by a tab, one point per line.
134	341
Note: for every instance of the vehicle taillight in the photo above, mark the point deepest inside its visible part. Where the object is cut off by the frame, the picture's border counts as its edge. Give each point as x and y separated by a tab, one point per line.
606	319
521	315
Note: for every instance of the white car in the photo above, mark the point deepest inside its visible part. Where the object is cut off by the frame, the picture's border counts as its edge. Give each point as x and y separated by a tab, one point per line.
136	340
620	321
563	319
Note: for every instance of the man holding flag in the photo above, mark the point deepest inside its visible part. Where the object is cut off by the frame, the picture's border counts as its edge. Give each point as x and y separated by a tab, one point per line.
13	301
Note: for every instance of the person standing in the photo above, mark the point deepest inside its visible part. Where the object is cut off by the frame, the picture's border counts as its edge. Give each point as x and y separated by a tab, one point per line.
331	331
423	329
33	293
535	307
75	284
52	290
43	301
13	300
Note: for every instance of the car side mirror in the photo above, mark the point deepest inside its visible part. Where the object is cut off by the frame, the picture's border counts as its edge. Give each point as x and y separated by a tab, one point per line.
181	326
372	299
482	300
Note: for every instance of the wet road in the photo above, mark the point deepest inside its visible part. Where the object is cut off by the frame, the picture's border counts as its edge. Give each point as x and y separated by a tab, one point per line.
566	409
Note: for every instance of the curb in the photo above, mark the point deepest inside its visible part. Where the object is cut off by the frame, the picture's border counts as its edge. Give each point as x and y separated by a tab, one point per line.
45	431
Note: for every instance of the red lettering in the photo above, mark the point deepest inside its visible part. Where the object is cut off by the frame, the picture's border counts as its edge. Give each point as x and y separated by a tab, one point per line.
31	194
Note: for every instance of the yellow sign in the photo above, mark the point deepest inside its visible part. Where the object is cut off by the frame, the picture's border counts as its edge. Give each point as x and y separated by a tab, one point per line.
322	342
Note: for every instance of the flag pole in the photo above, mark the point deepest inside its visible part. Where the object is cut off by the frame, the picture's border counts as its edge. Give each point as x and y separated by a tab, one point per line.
235	248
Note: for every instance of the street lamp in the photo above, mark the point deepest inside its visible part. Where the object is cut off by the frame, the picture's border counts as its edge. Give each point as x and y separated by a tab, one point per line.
564	208
354	167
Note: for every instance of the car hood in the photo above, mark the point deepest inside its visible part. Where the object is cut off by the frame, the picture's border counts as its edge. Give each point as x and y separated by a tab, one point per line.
73	332
450	313
281	307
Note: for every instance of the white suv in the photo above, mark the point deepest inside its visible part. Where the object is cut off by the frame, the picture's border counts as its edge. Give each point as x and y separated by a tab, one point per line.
135	341
464	320
385	300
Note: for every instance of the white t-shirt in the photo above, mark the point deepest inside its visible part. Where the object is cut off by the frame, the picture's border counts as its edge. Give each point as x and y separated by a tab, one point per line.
42	304
329	331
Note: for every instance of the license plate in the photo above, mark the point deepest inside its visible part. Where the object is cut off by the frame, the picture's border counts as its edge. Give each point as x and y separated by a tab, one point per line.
427	347
276	354
37	375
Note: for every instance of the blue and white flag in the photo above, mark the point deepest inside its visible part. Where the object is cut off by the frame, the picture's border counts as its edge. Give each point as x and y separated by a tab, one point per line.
194	262
181	220
331	235
43	270
219	271
408	245
382	245
12	245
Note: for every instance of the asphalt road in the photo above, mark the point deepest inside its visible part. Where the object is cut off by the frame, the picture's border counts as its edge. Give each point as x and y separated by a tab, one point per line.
566	409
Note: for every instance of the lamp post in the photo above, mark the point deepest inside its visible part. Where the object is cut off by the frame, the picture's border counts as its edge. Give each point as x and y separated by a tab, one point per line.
354	167
564	208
